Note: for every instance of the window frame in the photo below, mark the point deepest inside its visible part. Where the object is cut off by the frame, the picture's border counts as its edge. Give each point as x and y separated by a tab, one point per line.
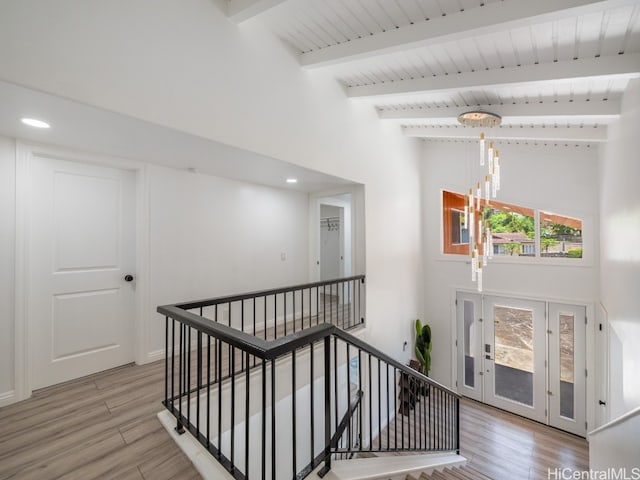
460	252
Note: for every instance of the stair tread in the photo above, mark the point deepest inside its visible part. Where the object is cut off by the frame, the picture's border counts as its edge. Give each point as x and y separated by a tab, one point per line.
455	473
392	465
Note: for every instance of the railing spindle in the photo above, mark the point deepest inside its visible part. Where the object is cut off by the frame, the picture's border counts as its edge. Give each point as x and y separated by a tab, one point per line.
199	381
219	397
348	392
312	404
370	409
273	419
233	403
208	390
327	404
246	417
264	411
180	382
173	360
379	407
293	409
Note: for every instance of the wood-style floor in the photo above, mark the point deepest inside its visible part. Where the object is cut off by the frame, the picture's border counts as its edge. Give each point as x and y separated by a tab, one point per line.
503	446
99	427
105	427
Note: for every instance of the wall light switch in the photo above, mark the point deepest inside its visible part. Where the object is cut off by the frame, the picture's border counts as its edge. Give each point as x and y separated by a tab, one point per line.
283	256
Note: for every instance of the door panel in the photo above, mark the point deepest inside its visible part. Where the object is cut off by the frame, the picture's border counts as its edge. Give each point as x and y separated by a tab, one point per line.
515	375
469	311
82	244
567	332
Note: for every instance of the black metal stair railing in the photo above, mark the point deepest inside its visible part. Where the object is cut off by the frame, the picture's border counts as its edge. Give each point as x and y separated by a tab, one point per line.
280	407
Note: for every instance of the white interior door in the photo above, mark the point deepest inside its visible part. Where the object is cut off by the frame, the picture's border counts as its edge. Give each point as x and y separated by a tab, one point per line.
567	369
515	351
82	245
469	340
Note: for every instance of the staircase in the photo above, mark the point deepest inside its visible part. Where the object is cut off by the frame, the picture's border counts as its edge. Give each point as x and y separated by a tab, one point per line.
272	385
458	473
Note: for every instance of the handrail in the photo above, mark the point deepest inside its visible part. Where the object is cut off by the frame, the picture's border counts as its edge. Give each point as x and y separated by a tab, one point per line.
271	349
261	293
622	418
264	349
355	341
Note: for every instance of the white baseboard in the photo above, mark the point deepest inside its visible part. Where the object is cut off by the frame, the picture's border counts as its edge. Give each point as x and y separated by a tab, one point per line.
7	398
155	356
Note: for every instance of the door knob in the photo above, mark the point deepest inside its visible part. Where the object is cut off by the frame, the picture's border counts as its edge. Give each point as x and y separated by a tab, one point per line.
128	278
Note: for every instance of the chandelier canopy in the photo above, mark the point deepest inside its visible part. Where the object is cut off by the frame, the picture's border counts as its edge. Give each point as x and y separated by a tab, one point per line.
477	118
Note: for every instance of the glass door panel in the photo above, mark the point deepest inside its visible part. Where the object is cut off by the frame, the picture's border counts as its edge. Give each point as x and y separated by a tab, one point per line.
567	334
469	329
515	347
514	356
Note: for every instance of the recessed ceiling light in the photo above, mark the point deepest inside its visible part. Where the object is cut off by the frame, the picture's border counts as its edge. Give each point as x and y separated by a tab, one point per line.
32	122
292	180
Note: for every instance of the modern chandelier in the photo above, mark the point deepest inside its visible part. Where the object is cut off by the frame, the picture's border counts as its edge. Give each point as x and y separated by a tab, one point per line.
477	201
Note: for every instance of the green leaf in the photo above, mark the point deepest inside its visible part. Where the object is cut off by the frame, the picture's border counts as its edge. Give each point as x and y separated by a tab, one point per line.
421	358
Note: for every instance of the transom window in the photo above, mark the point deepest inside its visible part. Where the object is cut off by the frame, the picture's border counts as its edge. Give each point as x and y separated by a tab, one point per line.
514	230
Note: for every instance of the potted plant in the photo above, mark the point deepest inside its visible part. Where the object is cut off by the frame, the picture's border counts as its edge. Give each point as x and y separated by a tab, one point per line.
410	389
423	347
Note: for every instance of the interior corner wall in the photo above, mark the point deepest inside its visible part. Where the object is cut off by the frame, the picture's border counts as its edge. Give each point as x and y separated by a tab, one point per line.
210	236
620	252
7	263
557	179
188	67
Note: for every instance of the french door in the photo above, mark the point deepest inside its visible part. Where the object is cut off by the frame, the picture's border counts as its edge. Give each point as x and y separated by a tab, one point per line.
514	356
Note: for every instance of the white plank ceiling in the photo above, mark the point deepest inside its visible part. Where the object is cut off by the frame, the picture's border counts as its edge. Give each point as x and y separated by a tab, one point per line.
553	69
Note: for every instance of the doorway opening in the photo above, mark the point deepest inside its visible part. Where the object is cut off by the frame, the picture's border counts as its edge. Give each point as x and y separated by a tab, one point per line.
331	242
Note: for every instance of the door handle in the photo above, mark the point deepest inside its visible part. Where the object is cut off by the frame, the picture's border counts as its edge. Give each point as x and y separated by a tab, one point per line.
128	278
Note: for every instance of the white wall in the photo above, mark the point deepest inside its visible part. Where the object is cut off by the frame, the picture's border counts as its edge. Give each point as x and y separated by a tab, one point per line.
620	252
210	236
617	445
559	179
7	262
184	65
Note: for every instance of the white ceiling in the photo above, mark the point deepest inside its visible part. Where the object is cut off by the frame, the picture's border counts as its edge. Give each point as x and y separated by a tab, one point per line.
554	69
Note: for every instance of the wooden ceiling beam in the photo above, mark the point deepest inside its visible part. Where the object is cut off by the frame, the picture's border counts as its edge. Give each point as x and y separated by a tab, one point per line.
553	134
491	17
240	10
613	67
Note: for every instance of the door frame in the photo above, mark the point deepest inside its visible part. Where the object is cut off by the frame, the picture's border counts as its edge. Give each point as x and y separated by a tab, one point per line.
590	349
25	152
346	239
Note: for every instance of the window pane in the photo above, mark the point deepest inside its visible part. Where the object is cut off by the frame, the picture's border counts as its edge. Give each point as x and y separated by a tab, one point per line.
459	232
514	367
567	344
560	236
512	231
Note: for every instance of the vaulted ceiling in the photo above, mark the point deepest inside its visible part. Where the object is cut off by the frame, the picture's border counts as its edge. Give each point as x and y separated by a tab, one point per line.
553	69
